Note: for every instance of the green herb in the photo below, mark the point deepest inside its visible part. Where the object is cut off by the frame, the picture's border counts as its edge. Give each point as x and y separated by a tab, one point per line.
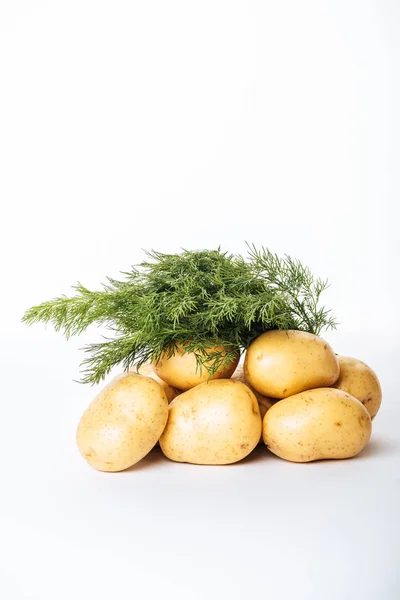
198	299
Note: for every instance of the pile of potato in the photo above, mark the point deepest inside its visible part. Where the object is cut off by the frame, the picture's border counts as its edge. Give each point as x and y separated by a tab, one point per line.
292	393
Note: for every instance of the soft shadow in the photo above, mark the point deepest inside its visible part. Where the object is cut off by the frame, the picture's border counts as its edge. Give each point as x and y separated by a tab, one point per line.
376	447
380	447
155	457
260	454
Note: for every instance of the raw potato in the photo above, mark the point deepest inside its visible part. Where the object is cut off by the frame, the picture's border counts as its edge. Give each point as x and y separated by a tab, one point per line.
123	423
282	363
215	423
359	380
181	370
317	424
148	371
264	403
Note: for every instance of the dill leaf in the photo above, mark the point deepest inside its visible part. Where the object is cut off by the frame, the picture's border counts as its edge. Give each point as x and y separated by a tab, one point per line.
196	299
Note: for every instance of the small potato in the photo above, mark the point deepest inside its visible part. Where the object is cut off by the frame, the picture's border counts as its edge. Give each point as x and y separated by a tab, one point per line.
181	370
359	380
279	364
215	423
317	424
264	403
123	423
148	371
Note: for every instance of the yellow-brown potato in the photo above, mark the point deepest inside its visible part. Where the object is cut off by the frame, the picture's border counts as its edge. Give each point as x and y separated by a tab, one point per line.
148	371
123	423
359	380
181	369
214	423
264	403
282	363
317	424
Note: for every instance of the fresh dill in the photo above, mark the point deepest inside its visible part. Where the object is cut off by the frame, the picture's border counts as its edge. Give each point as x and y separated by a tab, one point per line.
197	299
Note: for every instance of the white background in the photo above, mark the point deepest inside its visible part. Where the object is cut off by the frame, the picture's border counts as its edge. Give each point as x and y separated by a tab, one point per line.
148	124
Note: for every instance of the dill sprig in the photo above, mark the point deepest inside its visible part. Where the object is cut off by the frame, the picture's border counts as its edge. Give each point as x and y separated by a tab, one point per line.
196	299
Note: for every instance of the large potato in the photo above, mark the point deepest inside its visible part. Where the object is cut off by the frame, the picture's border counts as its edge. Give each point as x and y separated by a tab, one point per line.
282	363
264	403
317	424
148	371
181	370
215	423
123	423
359	380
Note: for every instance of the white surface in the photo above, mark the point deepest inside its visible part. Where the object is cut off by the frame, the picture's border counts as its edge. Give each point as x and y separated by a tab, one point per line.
165	124
263	527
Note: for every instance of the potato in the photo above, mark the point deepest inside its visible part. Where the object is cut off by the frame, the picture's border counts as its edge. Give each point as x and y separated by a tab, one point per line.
181	369
148	371
282	363
264	403
317	424
214	423
359	380
123	423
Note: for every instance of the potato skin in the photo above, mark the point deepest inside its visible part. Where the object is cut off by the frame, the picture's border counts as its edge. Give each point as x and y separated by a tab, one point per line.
147	370
180	370
215	423
123	423
323	423
279	364
264	403
359	380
